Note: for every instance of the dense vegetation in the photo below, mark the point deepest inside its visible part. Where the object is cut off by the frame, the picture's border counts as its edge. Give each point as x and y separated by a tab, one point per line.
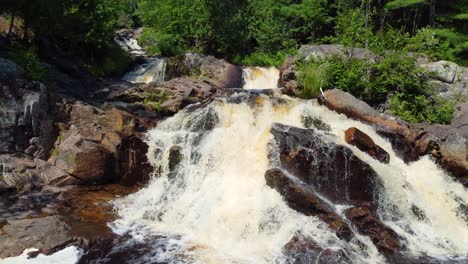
263	32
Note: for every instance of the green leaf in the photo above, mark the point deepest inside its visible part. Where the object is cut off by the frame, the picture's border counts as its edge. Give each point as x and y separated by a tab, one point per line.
403	3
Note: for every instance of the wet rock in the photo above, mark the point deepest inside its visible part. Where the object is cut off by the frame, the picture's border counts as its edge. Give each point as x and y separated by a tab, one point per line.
314	122
460	119
133	163
385	239
304	200
365	143
175	157
444	71
344	103
48	234
303	250
447	145
288	76
333	170
23	172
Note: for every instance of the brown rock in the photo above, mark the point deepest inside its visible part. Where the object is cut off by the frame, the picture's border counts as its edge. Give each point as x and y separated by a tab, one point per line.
304	250
368	224
305	201
333	170
365	143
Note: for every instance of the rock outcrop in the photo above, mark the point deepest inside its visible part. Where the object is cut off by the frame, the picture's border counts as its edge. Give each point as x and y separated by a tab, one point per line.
218	72
99	146
304	200
333	170
460	119
26	121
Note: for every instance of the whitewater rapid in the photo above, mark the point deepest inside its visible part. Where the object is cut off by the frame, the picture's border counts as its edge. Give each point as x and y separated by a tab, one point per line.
215	206
260	78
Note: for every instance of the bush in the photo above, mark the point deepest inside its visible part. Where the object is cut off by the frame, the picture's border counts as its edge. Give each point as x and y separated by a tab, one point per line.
310	79
160	44
418	108
29	60
431	44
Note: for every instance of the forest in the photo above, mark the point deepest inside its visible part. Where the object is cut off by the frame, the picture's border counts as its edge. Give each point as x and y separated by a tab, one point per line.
263	33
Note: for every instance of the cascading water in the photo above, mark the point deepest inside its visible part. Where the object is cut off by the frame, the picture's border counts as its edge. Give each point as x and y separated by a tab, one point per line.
208	201
260	78
153	70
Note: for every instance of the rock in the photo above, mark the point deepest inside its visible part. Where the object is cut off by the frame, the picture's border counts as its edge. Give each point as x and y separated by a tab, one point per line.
202	67
454	92
10	71
307	52
369	225
333	170
288	76
460	119
447	145
48	234
304	200
445	71
23	173
344	103
305	250
175	157
363	142
99	146
168	97
85	159
26	121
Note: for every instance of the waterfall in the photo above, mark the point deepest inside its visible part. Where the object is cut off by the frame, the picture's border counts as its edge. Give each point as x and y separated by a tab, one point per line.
209	200
260	78
153	70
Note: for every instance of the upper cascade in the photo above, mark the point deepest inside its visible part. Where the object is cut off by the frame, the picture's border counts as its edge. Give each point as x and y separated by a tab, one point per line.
153	70
260	78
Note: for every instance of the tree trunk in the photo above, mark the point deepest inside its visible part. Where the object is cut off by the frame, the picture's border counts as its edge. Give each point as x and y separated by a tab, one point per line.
432	13
414	21
381	16
12	23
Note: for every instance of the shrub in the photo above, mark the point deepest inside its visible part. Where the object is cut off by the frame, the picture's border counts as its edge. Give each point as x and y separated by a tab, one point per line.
163	44
29	60
419	108
310	79
428	42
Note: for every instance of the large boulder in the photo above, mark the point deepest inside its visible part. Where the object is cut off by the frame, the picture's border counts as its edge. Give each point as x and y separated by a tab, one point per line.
167	97
304	200
460	119
444	71
341	177
9	70
99	146
308	52
305	250
219	72
24	172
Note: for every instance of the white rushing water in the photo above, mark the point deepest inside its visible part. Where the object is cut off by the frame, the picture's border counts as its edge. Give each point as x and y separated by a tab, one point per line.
215	207
260	78
69	255
153	70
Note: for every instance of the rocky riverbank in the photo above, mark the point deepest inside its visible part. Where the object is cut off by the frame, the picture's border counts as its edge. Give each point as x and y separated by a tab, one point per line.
64	157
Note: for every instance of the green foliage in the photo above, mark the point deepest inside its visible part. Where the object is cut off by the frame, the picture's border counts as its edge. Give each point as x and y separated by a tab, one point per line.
403	3
350	30
262	58
112	61
153	100
29	60
431	44
418	108
310	79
